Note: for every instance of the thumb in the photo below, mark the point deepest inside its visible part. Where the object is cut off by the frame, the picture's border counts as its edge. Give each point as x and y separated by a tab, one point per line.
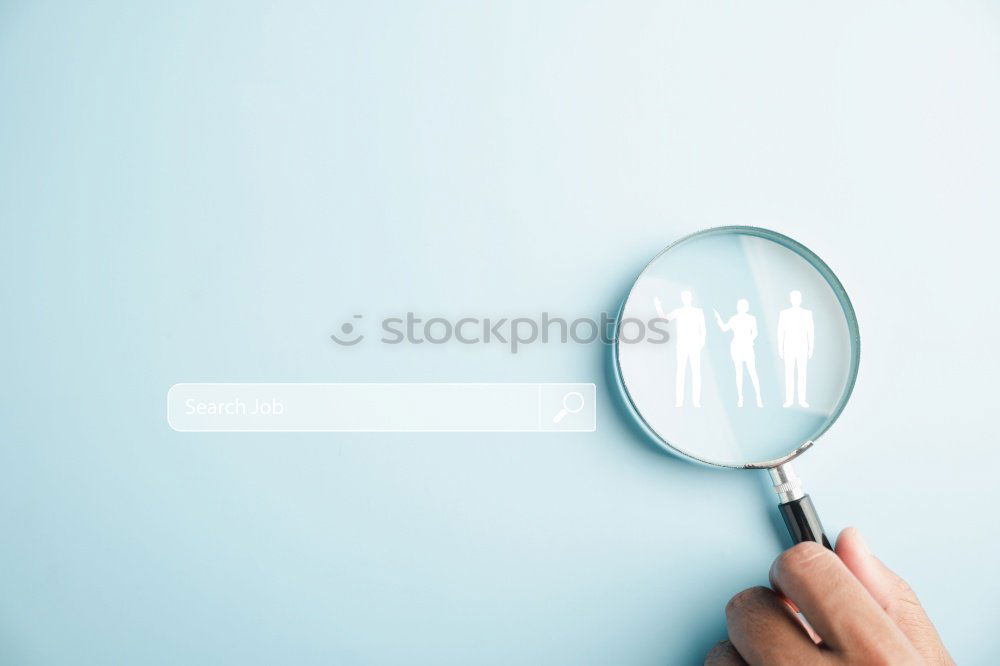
893	594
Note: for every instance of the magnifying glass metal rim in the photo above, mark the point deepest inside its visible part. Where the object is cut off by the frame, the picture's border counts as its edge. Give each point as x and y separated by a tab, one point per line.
842	298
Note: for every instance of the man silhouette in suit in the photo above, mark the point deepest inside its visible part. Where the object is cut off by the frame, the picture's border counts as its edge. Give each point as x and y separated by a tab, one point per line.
795	347
690	341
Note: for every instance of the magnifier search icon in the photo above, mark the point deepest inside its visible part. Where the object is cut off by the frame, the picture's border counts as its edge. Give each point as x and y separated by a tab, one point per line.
572	404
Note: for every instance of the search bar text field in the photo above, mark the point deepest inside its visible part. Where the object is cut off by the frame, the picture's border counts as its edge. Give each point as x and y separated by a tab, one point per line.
372	407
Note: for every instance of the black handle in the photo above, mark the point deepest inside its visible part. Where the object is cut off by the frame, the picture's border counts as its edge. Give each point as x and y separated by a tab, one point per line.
802	521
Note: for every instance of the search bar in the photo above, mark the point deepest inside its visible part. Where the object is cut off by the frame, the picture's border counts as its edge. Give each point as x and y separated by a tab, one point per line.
404	407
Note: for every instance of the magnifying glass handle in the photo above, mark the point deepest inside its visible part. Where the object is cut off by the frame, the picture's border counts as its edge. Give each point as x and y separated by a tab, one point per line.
796	507
803	522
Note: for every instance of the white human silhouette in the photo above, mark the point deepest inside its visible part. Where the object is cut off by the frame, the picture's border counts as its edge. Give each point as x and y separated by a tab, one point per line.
795	346
744	328
690	341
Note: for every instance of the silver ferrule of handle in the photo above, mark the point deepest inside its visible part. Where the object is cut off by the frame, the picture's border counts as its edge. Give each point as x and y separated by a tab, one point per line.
786	482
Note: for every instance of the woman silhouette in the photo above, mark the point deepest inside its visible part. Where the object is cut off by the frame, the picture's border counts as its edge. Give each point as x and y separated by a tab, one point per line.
744	328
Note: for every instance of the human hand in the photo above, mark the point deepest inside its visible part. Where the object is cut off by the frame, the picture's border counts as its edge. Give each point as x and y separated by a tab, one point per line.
860	612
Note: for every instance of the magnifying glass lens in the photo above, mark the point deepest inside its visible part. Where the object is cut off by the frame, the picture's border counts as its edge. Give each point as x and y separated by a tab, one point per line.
754	352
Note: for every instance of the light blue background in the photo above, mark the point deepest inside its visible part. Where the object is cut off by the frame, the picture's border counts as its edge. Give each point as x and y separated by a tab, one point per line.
197	192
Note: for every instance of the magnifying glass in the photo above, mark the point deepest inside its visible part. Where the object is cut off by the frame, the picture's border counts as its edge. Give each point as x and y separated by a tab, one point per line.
572	403
738	347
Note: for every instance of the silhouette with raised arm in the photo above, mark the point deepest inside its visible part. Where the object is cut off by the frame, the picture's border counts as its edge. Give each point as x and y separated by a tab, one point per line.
795	346
744	328
690	341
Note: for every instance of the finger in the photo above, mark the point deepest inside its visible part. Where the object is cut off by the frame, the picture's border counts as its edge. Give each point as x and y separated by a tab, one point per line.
837	606
893	594
724	654
765	631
